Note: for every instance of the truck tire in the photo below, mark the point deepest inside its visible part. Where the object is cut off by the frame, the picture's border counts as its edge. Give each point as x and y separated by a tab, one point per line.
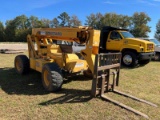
157	57
52	79
21	64
129	59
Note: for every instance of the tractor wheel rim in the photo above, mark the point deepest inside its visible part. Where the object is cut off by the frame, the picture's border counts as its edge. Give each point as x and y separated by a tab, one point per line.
127	59
46	78
18	65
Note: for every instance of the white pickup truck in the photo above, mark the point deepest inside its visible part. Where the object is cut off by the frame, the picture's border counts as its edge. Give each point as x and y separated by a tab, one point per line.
157	48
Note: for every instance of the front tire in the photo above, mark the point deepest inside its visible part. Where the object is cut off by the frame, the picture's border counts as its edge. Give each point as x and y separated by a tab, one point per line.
52	79
129	59
157	57
21	64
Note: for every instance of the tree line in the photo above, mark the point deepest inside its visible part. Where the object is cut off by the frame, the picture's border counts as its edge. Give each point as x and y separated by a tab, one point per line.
16	30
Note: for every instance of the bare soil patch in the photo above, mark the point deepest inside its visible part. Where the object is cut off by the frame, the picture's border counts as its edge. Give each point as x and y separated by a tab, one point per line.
14	46
11	48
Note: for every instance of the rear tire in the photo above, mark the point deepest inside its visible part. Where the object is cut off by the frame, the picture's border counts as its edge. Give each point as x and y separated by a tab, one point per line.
129	59
52	79
21	64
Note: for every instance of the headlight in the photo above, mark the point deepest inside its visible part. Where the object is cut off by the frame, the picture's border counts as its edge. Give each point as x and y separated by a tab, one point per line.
141	49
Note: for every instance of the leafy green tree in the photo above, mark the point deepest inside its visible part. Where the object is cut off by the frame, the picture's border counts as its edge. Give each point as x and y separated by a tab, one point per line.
157	34
34	22
64	19
2	34
15	28
124	21
91	20
74	21
21	22
54	23
21	30
111	19
10	31
18	28
45	23
99	18
139	26
21	35
94	20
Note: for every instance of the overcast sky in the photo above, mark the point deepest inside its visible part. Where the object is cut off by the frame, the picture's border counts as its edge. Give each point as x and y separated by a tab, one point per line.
52	8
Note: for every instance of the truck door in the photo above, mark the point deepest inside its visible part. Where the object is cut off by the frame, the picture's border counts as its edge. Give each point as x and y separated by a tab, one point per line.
114	41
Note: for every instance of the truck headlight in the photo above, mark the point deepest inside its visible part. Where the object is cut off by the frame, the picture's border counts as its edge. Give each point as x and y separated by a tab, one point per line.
141	49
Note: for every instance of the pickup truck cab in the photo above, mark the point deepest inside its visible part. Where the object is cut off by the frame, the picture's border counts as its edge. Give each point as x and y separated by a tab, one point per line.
134	51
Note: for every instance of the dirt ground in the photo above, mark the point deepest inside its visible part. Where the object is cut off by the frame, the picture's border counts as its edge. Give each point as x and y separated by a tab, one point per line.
14	46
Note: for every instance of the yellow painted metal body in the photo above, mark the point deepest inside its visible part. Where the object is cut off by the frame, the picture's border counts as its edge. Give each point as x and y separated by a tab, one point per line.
37	64
128	43
48	49
43	49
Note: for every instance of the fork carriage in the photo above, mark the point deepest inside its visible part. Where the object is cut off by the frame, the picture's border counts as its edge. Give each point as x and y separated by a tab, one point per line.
106	78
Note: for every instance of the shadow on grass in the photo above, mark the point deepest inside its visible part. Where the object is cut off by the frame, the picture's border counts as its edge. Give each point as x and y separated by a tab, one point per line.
155	61
76	78
70	96
13	83
139	65
130	68
30	84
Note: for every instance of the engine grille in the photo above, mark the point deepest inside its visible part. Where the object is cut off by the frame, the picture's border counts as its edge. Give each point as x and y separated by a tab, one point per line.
150	47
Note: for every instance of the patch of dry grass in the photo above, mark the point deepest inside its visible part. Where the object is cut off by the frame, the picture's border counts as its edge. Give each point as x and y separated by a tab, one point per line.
23	97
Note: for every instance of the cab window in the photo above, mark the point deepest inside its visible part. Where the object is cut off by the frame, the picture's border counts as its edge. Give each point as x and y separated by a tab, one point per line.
115	36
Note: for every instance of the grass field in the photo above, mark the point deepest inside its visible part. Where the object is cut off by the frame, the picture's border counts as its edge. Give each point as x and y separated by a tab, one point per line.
24	98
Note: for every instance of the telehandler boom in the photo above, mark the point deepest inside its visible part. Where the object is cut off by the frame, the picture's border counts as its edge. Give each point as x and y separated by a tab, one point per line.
61	52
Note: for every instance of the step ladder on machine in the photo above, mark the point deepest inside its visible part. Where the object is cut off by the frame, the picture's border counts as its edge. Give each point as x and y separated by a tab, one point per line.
107	66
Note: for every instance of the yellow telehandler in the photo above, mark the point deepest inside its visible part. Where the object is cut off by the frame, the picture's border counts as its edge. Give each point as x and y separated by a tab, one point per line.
60	52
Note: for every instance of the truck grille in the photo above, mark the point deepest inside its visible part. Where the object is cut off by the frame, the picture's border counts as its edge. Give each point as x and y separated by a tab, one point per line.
150	47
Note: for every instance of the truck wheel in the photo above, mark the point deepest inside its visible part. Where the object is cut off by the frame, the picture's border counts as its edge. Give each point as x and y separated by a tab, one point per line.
52	79
157	57
21	64
129	59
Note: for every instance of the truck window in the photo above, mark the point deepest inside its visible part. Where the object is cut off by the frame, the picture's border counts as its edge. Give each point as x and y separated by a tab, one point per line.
115	35
155	41
126	34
